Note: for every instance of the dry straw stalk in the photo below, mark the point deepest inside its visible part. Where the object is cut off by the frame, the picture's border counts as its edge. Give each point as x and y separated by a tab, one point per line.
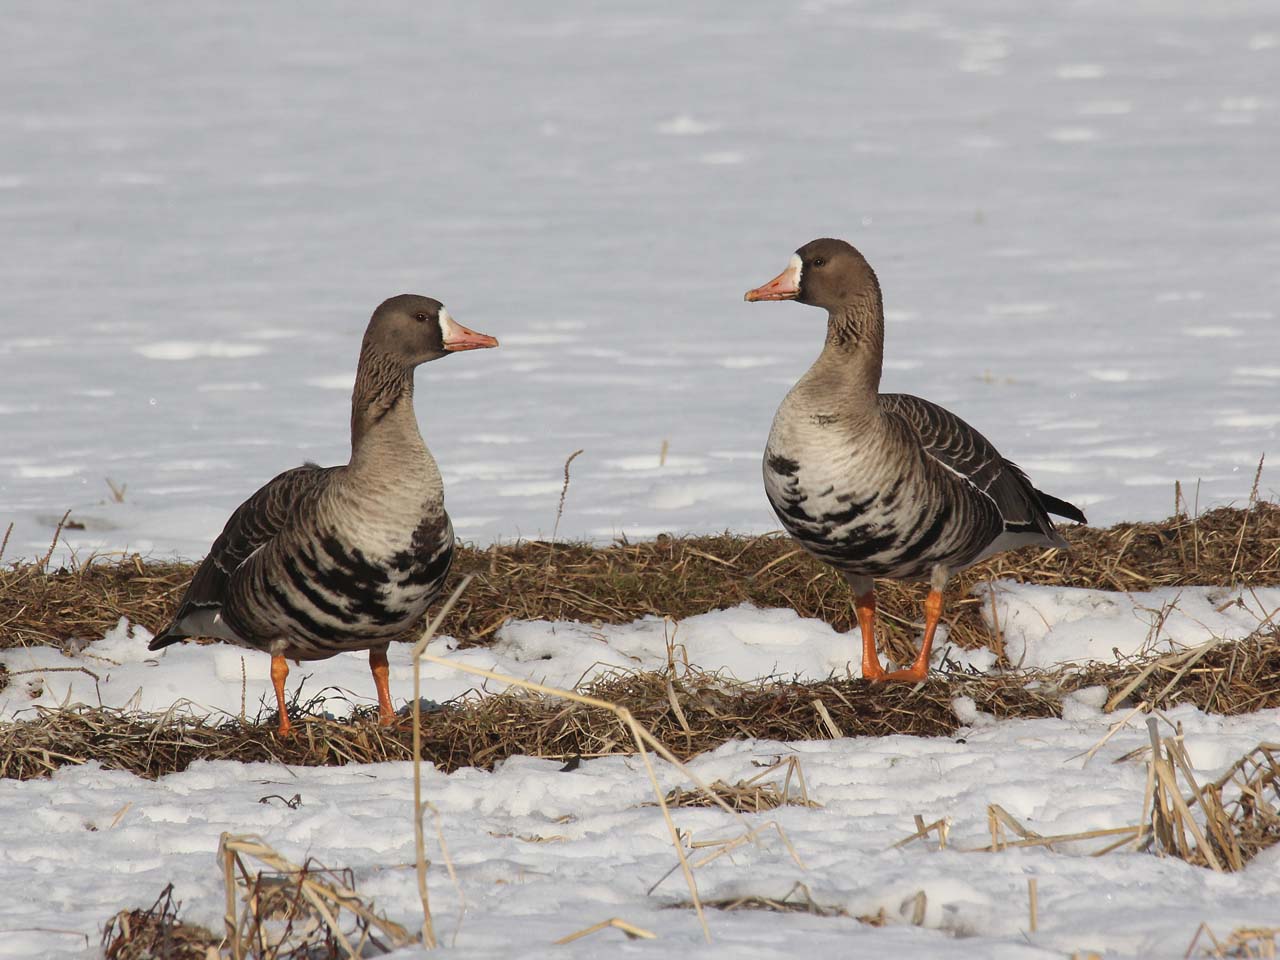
644	742
246	933
1239	812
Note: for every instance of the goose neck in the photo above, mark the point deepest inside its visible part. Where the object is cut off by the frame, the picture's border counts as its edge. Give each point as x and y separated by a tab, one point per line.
382	418
855	345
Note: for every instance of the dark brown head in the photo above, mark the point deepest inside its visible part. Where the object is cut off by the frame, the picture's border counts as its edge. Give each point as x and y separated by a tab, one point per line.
826	273
410	329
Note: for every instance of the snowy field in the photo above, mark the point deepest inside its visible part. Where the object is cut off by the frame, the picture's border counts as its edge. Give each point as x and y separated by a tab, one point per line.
1075	215
1043	627
99	840
542	853
1074	211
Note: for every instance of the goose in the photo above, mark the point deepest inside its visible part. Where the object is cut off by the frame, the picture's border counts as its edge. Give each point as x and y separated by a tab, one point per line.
885	484
327	559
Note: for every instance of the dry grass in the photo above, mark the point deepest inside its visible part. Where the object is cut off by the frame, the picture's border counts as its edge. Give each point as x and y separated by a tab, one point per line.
292	912
157	934
753	795
1226	677
285	912
1221	825
693	711
61	608
482	732
630	930
797	900
681	577
1252	943
690	711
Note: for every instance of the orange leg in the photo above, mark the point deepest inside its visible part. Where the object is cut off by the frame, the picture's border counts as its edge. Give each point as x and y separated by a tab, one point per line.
279	671
866	607
381	673
920	669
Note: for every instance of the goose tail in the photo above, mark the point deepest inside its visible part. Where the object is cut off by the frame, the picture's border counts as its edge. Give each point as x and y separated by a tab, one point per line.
169	635
1060	508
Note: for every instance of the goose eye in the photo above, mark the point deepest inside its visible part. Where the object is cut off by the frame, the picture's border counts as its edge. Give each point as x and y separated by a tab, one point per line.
420	317
818	261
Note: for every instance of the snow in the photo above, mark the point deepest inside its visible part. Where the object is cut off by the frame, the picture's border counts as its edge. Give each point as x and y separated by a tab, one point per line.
1049	626
1073	214
744	642
601	861
1072	211
603	848
1042	627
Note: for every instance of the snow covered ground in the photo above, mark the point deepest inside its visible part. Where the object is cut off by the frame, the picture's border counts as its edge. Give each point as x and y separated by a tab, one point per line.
1073	210
1042	627
1075	217
522	894
88	842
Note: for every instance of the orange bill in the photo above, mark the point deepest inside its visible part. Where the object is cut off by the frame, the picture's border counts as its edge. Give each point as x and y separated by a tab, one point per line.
458	337
785	286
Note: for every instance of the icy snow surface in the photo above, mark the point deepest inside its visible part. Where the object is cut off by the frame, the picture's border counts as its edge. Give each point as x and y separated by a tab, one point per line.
1073	209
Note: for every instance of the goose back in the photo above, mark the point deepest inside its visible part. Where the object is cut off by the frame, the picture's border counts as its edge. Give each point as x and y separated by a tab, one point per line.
957	447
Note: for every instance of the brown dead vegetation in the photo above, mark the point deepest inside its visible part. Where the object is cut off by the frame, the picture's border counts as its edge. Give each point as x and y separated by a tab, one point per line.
688	710
692	711
157	934
682	577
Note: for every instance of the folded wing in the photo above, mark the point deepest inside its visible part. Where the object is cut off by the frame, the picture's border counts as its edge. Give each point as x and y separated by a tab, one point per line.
965	452
254	524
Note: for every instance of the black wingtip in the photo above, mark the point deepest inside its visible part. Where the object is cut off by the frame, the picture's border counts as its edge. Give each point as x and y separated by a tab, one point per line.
1060	508
164	638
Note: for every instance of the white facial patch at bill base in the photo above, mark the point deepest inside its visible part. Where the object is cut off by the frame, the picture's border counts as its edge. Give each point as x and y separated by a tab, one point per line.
447	327
791	275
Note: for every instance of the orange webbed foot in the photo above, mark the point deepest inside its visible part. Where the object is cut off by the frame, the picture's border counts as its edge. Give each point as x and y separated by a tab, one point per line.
913	674
871	670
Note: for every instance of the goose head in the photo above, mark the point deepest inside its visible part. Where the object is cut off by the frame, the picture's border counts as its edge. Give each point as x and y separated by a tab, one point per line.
825	273
411	329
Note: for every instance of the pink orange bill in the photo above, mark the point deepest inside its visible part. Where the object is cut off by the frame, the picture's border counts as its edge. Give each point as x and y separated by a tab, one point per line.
785	286
457	337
